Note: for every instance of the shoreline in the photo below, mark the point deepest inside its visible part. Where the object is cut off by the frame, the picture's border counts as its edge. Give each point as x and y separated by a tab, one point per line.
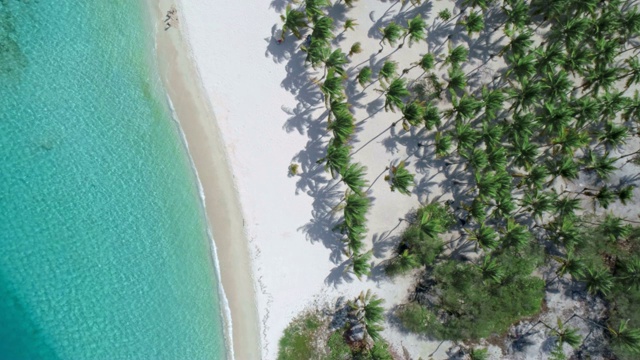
195	117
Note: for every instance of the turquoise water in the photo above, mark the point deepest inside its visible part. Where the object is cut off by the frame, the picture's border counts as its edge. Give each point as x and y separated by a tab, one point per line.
103	245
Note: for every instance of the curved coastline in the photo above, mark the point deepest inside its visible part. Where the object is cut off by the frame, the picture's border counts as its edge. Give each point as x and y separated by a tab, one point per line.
196	121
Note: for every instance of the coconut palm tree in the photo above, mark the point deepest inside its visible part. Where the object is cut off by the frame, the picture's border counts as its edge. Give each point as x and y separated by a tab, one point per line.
630	273
564	167
519	44
364	76
566	335
355	239
322	28
603	165
402	262
537	203
484	237
457	55
415	30
598	280
293	20
568	140
571	264
601	78
465	136
342	126
394	93
625	193
442	144
368	309
355	210
360	265
527	95
517	15
522	66
549	58
356	48
336	60
349	24
557	84
482	4
401	179
473	23
625	337
613	228
566	206
524	152
570	30
515	235
477	158
353	176
521	126
578	60
431	116
412	114
491	270
555	118
391	33
332	88
388	70
315	8
465	108
337	158
493	102
536	178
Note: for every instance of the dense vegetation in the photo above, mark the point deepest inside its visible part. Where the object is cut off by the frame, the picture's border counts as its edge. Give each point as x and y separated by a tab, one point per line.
558	109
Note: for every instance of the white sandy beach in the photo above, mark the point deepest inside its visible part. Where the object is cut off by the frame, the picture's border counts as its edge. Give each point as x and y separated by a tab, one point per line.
268	115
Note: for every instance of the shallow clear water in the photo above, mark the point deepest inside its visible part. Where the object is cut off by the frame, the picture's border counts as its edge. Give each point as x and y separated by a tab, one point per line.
103	245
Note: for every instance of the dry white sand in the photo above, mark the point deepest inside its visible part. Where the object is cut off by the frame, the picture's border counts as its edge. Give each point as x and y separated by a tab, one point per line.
270	114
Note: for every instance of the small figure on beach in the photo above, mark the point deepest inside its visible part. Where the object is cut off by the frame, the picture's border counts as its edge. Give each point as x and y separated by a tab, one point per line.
279	41
307	41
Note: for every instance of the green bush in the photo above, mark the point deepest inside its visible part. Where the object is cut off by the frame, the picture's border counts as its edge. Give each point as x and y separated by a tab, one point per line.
416	318
299	338
338	349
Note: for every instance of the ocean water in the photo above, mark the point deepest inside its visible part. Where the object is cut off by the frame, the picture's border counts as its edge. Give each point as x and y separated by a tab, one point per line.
104	251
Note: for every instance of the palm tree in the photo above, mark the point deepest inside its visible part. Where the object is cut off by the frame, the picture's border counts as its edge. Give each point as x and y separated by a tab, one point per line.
602	165
355	210
342	126
605	196
625	193
401	179
360	264
430	225
314	8
570	30
402	262
474	23
349	24
612	135
557	84
570	264
482	4
566	206
415	30
465	136
493	101
522	66
601	77
567	335
412	114
598	280
293	20
364	76
457	81
555	118
442	144
536	178
527	95
564	167
353	177
457	55
626	338
549	57
484	237
322	28
354	239
332	87
519	44
491	270
431	116
568	140
391	33
537	203
336	60
630	273
388	70
613	228
356	48
368	309
337	158
466	107
524	153
515	235
476	158
394	93
517	15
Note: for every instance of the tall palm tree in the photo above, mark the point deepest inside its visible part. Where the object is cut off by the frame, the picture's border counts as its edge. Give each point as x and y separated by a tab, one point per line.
536	178
613	228
549	57
466	136
442	144
477	158
364	76
342	126
431	116
457	55
570	30
482	4
519	44
457	81
315	8
467	107
394	93
322	28
598	280
368	309
353	176
391	33
412	114
332	88
474	23
355	210
571	264
336	60
484	237
337	158
602	165
625	337
415	30
401	179
522	66
517	15
630	273
360	265
388	70
567	335
356	48
493	101
524	152
515	235
491	270
293	20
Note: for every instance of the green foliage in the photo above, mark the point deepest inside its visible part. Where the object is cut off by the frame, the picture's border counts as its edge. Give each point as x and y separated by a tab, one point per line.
338	348
364	76
401	179
444	15
298	340
391	33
